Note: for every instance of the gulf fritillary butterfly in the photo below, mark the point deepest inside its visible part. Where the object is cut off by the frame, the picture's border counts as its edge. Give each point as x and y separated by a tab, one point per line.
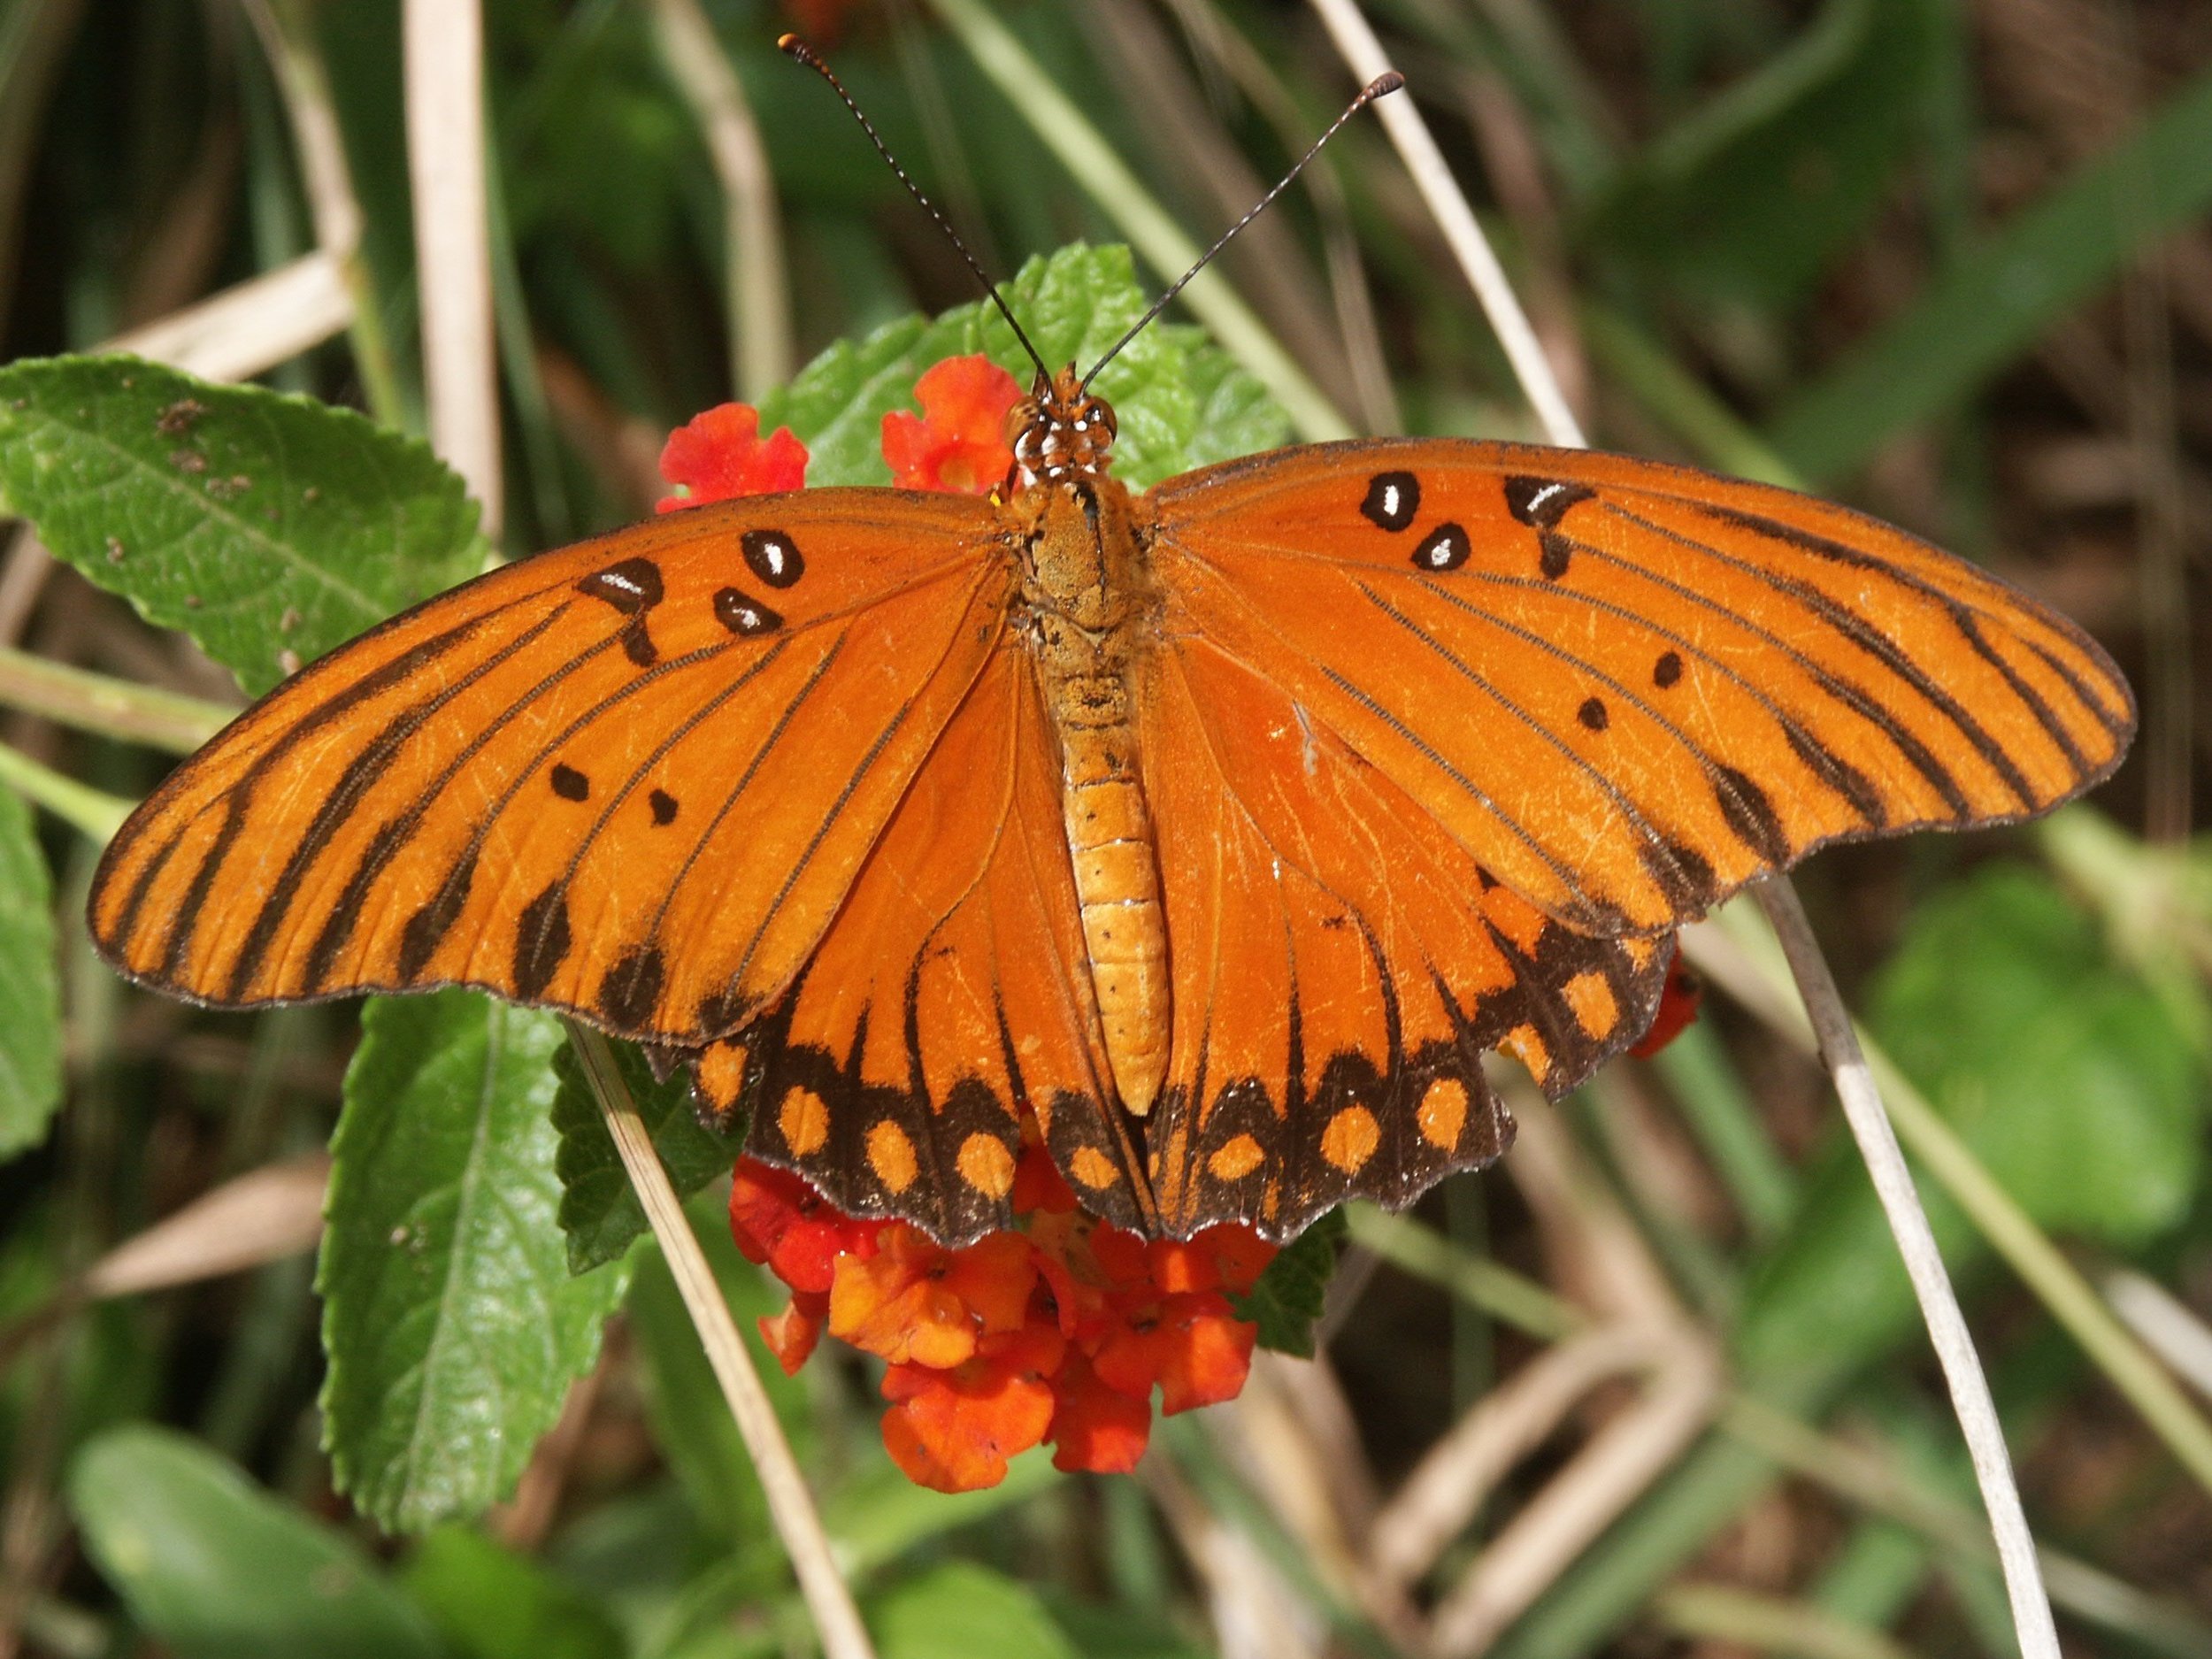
1223	827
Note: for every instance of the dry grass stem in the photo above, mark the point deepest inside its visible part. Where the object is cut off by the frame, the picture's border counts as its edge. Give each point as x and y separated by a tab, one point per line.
759	301
1401	115
444	41
1253	1613
524	1522
1292	1437
2168	1326
249	328
23	579
1855	1085
1924	1264
1596	1249
836	1620
287	39
1616	1468
253	1219
1454	1478
1715	953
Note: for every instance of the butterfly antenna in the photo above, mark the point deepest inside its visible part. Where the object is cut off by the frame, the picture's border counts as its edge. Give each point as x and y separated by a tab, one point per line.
1381	85
795	47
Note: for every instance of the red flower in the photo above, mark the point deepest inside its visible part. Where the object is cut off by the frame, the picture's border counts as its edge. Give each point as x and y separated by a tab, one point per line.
1096	1428
1225	1258
779	1220
1677	1007
958	442
1191	1346
953	1428
721	455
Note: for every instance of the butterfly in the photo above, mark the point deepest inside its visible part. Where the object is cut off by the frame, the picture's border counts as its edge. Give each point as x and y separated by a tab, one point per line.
1217	830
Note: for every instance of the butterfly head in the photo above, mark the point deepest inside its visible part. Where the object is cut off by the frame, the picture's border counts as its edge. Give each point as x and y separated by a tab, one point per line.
1060	432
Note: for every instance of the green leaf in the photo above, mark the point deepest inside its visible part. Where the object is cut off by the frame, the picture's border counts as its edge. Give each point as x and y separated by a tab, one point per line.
209	1564
600	1212
452	1324
1991	303
1236	415
1165	386
493	1604
269	528
30	998
1751	198
2066	1073
1287	1299
960	1609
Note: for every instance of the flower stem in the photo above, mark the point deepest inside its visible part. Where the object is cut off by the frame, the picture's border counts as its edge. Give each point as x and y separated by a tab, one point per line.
94	811
113	708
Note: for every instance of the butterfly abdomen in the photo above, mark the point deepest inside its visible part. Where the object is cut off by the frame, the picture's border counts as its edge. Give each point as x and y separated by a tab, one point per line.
1117	880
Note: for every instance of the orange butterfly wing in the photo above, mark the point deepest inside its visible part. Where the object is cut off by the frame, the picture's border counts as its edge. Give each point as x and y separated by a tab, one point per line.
1627	688
951	988
1340	964
633	779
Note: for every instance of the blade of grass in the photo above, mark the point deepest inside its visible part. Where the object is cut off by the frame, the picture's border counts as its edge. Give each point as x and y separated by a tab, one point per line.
1401	119
287	35
836	1619
1862	1110
1083	151
1505	1295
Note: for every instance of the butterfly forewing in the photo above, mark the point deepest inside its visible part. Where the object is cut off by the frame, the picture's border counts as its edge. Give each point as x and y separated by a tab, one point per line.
1625	687
633	777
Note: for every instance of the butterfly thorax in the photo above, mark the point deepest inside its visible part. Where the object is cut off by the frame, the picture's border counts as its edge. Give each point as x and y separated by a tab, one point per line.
1087	610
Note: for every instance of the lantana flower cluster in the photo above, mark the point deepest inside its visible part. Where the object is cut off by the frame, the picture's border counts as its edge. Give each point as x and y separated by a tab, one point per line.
1059	1331
1062	1330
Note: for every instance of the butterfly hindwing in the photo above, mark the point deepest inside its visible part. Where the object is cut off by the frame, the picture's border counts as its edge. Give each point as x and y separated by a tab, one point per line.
567	781
1627	687
1340	965
951	992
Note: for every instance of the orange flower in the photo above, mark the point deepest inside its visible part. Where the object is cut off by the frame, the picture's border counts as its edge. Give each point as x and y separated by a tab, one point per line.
958	442
1191	1345
791	1335
721	455
1224	1257
1096	1428
953	1428
917	1303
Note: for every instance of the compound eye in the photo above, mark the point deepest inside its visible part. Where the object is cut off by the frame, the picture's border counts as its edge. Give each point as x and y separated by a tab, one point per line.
1103	414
